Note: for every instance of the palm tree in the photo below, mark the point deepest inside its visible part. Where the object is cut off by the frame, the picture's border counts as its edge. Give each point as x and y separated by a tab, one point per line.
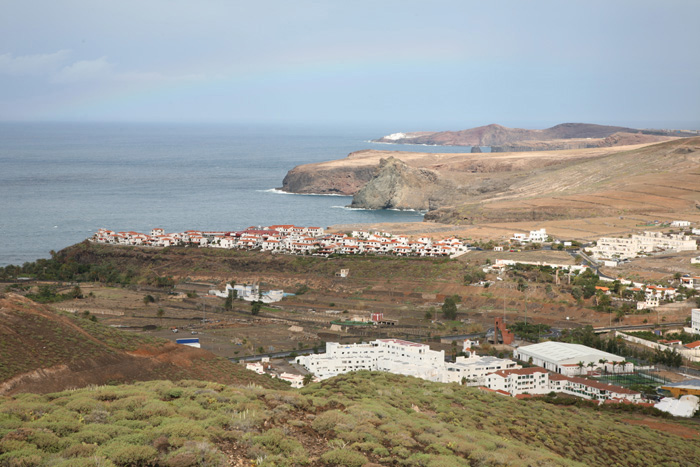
590	365
580	367
623	365
308	378
603	362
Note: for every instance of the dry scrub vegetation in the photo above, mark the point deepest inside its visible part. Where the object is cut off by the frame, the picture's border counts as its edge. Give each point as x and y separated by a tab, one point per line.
349	421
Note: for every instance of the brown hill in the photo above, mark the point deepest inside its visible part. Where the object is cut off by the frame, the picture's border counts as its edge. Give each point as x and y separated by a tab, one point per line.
42	351
347	176
663	178
503	138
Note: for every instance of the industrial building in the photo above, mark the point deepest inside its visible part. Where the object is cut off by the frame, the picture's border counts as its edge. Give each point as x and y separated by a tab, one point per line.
571	359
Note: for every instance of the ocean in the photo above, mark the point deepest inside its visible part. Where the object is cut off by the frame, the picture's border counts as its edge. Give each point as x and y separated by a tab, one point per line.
60	182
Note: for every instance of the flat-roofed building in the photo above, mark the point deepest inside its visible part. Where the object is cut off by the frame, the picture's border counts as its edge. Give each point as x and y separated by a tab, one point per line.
570	359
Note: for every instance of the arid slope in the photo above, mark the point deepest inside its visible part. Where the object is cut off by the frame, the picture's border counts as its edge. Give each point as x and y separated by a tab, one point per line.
43	351
660	178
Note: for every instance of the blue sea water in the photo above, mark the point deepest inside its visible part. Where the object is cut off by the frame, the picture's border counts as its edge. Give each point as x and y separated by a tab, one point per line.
59	183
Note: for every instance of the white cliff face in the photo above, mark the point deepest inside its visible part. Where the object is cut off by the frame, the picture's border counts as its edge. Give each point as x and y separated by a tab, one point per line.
395	136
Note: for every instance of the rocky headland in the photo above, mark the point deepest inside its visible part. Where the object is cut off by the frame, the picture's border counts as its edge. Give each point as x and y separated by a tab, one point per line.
504	139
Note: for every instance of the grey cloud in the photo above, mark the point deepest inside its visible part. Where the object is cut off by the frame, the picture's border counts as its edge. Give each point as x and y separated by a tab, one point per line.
37	64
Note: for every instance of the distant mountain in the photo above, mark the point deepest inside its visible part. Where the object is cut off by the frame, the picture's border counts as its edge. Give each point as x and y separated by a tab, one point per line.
497	135
43	351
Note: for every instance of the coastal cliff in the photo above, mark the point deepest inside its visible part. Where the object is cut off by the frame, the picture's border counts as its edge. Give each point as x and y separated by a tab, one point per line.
328	181
346	176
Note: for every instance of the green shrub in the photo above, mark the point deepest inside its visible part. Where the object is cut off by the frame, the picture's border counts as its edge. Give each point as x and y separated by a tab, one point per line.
154	409
92	436
61	422
79	450
47	441
275	442
328	421
343	457
25	457
130	403
128	455
84	405
91	461
196	454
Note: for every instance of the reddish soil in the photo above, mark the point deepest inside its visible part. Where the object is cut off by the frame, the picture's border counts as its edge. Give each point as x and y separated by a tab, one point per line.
673	428
41	351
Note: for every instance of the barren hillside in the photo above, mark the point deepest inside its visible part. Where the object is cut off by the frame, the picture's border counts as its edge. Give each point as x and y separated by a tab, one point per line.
43	351
660	178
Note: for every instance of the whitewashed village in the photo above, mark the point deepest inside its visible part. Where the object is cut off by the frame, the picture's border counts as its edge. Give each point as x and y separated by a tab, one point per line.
534	369
291	239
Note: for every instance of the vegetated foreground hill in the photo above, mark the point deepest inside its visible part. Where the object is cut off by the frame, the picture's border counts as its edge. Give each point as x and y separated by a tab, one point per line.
44	351
499	136
350	420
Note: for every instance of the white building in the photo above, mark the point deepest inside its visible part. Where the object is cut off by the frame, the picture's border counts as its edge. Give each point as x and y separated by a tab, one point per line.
524	380
297	381
695	320
473	369
250	293
566	359
680	224
403	358
539	381
648	242
535	236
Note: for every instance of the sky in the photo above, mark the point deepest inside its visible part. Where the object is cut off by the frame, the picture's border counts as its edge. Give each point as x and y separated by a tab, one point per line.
412	65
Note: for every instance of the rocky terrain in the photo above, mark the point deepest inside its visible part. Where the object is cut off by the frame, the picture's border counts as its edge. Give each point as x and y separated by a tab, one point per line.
505	139
399	186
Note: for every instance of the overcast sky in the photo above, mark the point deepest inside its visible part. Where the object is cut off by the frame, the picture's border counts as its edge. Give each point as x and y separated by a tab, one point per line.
419	65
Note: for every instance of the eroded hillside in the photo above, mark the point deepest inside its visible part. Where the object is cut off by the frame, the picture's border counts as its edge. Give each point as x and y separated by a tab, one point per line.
44	351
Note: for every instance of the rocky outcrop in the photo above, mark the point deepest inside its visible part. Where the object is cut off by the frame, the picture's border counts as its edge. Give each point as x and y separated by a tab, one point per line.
476	150
327	181
395	185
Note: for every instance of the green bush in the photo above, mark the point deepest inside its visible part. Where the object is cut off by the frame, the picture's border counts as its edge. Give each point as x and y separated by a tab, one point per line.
129	455
80	450
343	457
328	421
276	442
25	457
196	454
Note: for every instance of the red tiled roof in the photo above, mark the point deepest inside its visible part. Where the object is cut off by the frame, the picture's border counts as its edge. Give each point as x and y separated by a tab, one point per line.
521	371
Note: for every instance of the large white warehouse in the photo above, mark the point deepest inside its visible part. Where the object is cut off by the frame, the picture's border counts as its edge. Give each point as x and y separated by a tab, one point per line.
564	358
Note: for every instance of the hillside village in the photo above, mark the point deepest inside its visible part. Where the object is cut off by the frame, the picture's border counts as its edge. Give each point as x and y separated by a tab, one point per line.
291	239
560	367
